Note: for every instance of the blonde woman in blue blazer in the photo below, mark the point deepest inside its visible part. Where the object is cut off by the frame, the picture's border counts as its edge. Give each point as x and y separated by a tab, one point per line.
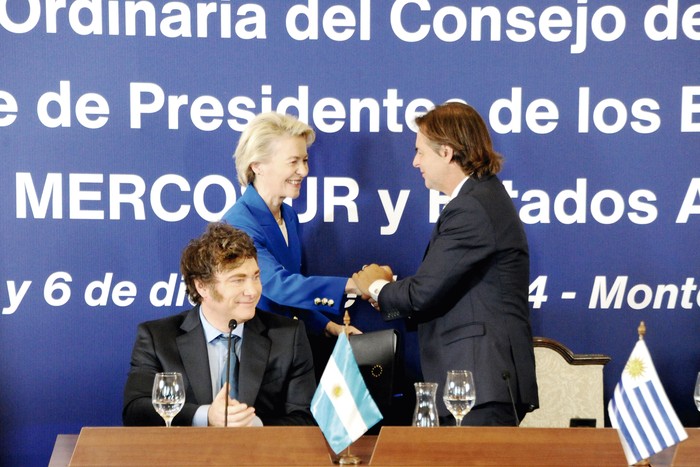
272	162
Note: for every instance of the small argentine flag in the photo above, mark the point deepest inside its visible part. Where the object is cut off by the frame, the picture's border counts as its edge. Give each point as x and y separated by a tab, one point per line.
641	411
342	405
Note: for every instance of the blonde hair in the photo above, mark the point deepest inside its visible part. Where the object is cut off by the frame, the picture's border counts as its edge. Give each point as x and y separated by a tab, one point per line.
259	136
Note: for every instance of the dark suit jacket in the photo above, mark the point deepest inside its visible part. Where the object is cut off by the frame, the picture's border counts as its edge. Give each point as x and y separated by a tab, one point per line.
469	296
285	290
276	374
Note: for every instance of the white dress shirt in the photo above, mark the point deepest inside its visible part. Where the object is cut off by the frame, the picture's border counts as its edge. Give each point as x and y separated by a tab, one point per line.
217	350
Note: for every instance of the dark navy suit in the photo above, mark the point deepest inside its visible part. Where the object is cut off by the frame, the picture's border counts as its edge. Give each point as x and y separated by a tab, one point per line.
469	297
276	373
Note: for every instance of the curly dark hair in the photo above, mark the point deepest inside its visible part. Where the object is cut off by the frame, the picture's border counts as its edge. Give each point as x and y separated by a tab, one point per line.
222	247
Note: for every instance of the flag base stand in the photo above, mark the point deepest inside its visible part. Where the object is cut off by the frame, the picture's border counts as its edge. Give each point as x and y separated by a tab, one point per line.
349	459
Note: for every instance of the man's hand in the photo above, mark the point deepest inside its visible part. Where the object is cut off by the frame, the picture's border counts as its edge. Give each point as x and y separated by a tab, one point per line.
364	278
335	329
238	414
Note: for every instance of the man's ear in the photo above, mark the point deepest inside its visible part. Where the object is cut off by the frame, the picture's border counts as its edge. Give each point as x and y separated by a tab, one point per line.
202	288
447	152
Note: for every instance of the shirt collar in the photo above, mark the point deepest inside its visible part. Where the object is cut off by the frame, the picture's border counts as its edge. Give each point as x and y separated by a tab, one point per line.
455	192
211	333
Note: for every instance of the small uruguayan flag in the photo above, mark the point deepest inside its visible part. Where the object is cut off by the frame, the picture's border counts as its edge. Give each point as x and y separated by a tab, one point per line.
342	405
640	410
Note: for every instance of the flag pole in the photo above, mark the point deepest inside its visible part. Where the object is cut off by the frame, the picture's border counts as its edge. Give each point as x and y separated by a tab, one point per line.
346	458
641	331
346	322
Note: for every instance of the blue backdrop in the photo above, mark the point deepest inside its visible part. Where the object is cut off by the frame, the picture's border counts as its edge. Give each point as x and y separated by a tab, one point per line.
118	120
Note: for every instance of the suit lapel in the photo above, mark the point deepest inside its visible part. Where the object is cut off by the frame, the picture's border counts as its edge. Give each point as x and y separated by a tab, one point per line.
195	358
464	191
288	255
255	352
292	254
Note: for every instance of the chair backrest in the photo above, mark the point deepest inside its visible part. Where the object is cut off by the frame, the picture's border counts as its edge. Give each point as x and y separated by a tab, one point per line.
570	387
375	353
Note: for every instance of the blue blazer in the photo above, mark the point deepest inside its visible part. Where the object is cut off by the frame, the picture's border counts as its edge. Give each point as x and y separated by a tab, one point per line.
285	290
469	296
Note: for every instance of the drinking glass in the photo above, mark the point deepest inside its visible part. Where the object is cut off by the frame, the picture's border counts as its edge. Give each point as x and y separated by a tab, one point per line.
459	394
697	392
168	395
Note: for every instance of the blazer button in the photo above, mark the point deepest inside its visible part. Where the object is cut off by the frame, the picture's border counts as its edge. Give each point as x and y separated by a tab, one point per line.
324	301
330	302
317	301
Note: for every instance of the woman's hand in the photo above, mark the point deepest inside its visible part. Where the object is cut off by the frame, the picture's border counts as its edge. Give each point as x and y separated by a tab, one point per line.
334	329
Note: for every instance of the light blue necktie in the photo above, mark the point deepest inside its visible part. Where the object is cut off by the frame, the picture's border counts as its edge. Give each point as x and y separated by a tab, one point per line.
233	377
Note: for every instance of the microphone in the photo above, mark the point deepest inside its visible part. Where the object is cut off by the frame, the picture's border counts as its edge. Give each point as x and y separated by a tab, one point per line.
233	324
506	377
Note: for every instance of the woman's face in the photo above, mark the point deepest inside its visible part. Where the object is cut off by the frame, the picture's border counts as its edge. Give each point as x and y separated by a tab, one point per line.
282	174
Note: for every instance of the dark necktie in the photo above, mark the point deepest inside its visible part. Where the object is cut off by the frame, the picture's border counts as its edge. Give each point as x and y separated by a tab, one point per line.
233	376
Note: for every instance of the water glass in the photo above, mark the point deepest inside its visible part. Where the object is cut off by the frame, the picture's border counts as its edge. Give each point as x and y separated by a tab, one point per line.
168	395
